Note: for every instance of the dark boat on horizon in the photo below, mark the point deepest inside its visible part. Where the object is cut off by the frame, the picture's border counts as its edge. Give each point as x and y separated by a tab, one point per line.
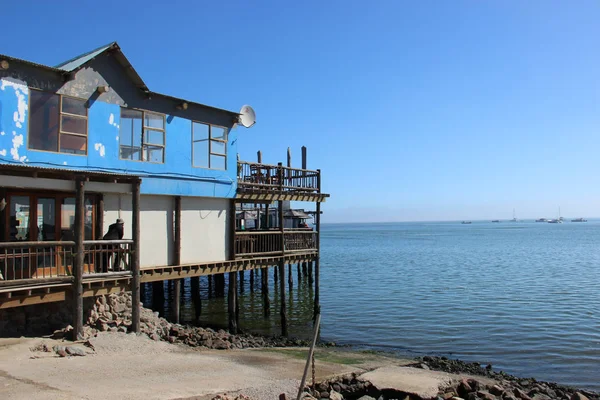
579	220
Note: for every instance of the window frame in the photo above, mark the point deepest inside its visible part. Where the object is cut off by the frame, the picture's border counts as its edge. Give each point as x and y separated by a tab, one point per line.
210	145
144	128
60	130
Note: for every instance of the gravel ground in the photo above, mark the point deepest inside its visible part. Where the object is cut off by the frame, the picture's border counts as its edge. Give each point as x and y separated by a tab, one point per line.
127	366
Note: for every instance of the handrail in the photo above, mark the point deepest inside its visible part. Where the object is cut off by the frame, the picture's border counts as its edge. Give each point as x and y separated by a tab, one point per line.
37	244
277	166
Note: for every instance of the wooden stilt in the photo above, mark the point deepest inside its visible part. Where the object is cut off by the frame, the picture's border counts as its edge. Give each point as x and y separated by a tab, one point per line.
176	300
264	276
317	310
231	302
275	271
282	309
210	286
241	282
196	299
78	260
304	269
158	295
299	272
252	272
310	272
290	277
135	258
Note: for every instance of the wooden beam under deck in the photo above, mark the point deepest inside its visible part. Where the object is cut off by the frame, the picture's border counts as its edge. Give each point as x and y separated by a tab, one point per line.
271	196
104	284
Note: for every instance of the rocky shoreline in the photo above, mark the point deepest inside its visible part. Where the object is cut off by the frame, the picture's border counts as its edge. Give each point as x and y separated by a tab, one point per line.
112	313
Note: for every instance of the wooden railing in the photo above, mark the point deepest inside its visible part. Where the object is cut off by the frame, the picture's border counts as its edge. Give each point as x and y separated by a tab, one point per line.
256	177
269	243
33	260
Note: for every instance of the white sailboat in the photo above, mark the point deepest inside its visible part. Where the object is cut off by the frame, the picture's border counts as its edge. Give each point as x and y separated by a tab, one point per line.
514	219
559	220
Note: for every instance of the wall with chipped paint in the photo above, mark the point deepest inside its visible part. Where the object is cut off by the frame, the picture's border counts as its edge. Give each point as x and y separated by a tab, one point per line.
176	176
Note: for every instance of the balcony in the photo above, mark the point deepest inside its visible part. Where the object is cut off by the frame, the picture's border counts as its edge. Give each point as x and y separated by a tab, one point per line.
40	262
266	243
263	182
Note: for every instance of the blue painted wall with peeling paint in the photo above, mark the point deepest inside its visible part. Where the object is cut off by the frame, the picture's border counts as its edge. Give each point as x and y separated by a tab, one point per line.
176	176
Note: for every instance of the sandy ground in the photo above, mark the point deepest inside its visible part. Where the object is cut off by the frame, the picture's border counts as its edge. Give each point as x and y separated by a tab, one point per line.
126	366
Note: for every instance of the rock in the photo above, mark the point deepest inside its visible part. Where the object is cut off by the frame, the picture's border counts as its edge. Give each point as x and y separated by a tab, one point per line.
475	385
75	351
448	395
484	394
61	353
155	337
464	388
521	394
220	344
323	395
122	329
541	396
333	395
336	387
496	390
578	396
366	398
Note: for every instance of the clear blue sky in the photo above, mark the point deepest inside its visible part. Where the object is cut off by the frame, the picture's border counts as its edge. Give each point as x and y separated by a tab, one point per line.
413	110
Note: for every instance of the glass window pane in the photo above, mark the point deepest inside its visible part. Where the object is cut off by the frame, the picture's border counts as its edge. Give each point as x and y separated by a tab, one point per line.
43	121
154	137
88	219
217	132
152	120
73	144
217	147
200	154
46	218
130	134
217	162
74	106
200	131
67	219
74	125
153	154
19	218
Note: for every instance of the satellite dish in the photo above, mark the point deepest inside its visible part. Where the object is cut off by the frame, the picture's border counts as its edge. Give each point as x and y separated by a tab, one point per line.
247	116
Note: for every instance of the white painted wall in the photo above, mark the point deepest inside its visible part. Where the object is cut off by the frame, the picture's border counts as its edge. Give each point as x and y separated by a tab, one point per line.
204	224
204	229
156	225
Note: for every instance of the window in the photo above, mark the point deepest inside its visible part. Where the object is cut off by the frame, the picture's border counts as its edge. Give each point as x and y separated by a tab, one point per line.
57	123
142	136
209	146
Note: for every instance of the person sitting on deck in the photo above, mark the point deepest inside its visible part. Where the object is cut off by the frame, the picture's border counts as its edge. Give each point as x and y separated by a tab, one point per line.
115	232
303	225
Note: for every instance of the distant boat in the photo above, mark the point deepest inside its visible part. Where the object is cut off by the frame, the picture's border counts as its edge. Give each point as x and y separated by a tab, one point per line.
555	221
496	220
514	219
579	220
466	222
541	220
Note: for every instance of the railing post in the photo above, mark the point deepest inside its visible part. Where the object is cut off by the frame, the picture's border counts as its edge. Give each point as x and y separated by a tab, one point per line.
78	260
231	229
135	257
317	306
280	176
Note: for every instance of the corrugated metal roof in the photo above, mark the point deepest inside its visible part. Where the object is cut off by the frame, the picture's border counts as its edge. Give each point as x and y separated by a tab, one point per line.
66	169
80	61
76	62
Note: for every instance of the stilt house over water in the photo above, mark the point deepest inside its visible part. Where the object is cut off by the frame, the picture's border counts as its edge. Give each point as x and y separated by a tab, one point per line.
106	185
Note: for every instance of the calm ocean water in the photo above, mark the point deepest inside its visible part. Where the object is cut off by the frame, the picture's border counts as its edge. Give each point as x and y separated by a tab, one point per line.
523	296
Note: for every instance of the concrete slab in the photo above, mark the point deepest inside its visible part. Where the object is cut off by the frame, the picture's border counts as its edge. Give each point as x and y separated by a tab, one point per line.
419	382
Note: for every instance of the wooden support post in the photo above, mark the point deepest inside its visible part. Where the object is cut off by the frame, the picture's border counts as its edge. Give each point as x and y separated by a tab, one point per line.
241	283
135	258
290	277
231	229
231	300
310	272
317	310
282	309
299	273
196	299
176	299
305	268
100	217
264	276
158	295
275	277
210	285
78	260
252	272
